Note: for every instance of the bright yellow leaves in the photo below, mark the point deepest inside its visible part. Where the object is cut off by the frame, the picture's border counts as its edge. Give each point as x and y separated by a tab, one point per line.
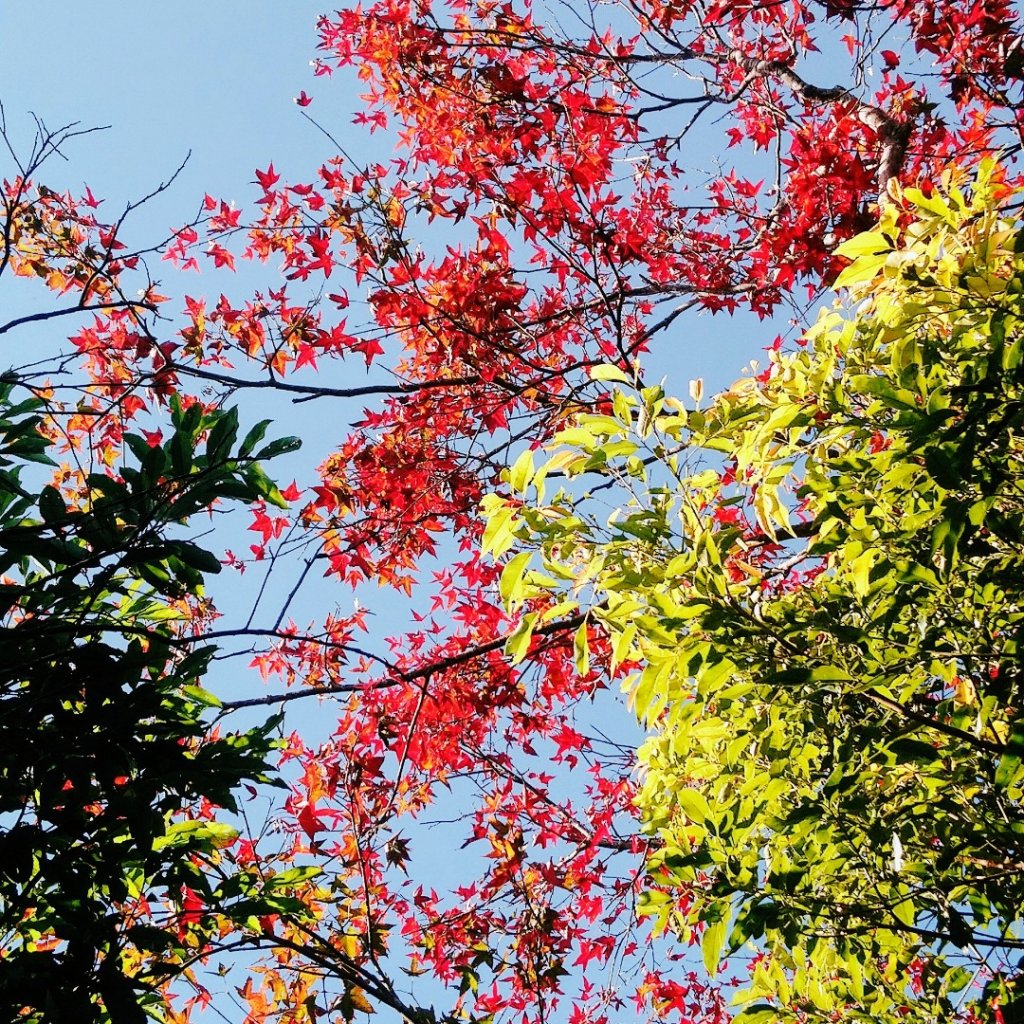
814	579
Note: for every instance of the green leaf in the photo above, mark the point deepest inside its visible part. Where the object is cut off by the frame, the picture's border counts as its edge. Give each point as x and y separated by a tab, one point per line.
867	243
518	644
905	912
195	556
581	649
52	506
138	446
292	877
693	804
1008	775
203	696
712	943
510	585
609	372
829	674
253	438
222	436
264	487
221	834
521	473
957	979
498	534
282	446
196	834
181	448
758	1013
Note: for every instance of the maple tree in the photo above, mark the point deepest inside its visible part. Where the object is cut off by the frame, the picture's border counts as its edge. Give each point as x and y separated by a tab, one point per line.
541	216
814	580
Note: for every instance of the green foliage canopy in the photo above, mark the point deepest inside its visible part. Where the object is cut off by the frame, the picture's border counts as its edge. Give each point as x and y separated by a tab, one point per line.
102	731
815	587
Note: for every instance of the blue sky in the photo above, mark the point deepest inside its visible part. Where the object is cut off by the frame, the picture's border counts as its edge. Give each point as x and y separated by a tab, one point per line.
218	78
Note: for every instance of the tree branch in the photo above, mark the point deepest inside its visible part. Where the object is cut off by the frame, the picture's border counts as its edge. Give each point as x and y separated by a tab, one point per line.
71	310
398	678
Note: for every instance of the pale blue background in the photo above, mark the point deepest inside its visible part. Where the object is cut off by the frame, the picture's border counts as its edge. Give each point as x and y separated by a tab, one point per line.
218	78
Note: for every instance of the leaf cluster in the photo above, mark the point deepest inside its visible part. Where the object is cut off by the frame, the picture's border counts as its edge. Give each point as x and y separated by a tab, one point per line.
815	585
103	740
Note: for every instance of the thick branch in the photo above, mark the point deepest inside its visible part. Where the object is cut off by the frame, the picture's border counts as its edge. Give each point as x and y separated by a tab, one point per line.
318	391
934	723
72	310
893	134
409	676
